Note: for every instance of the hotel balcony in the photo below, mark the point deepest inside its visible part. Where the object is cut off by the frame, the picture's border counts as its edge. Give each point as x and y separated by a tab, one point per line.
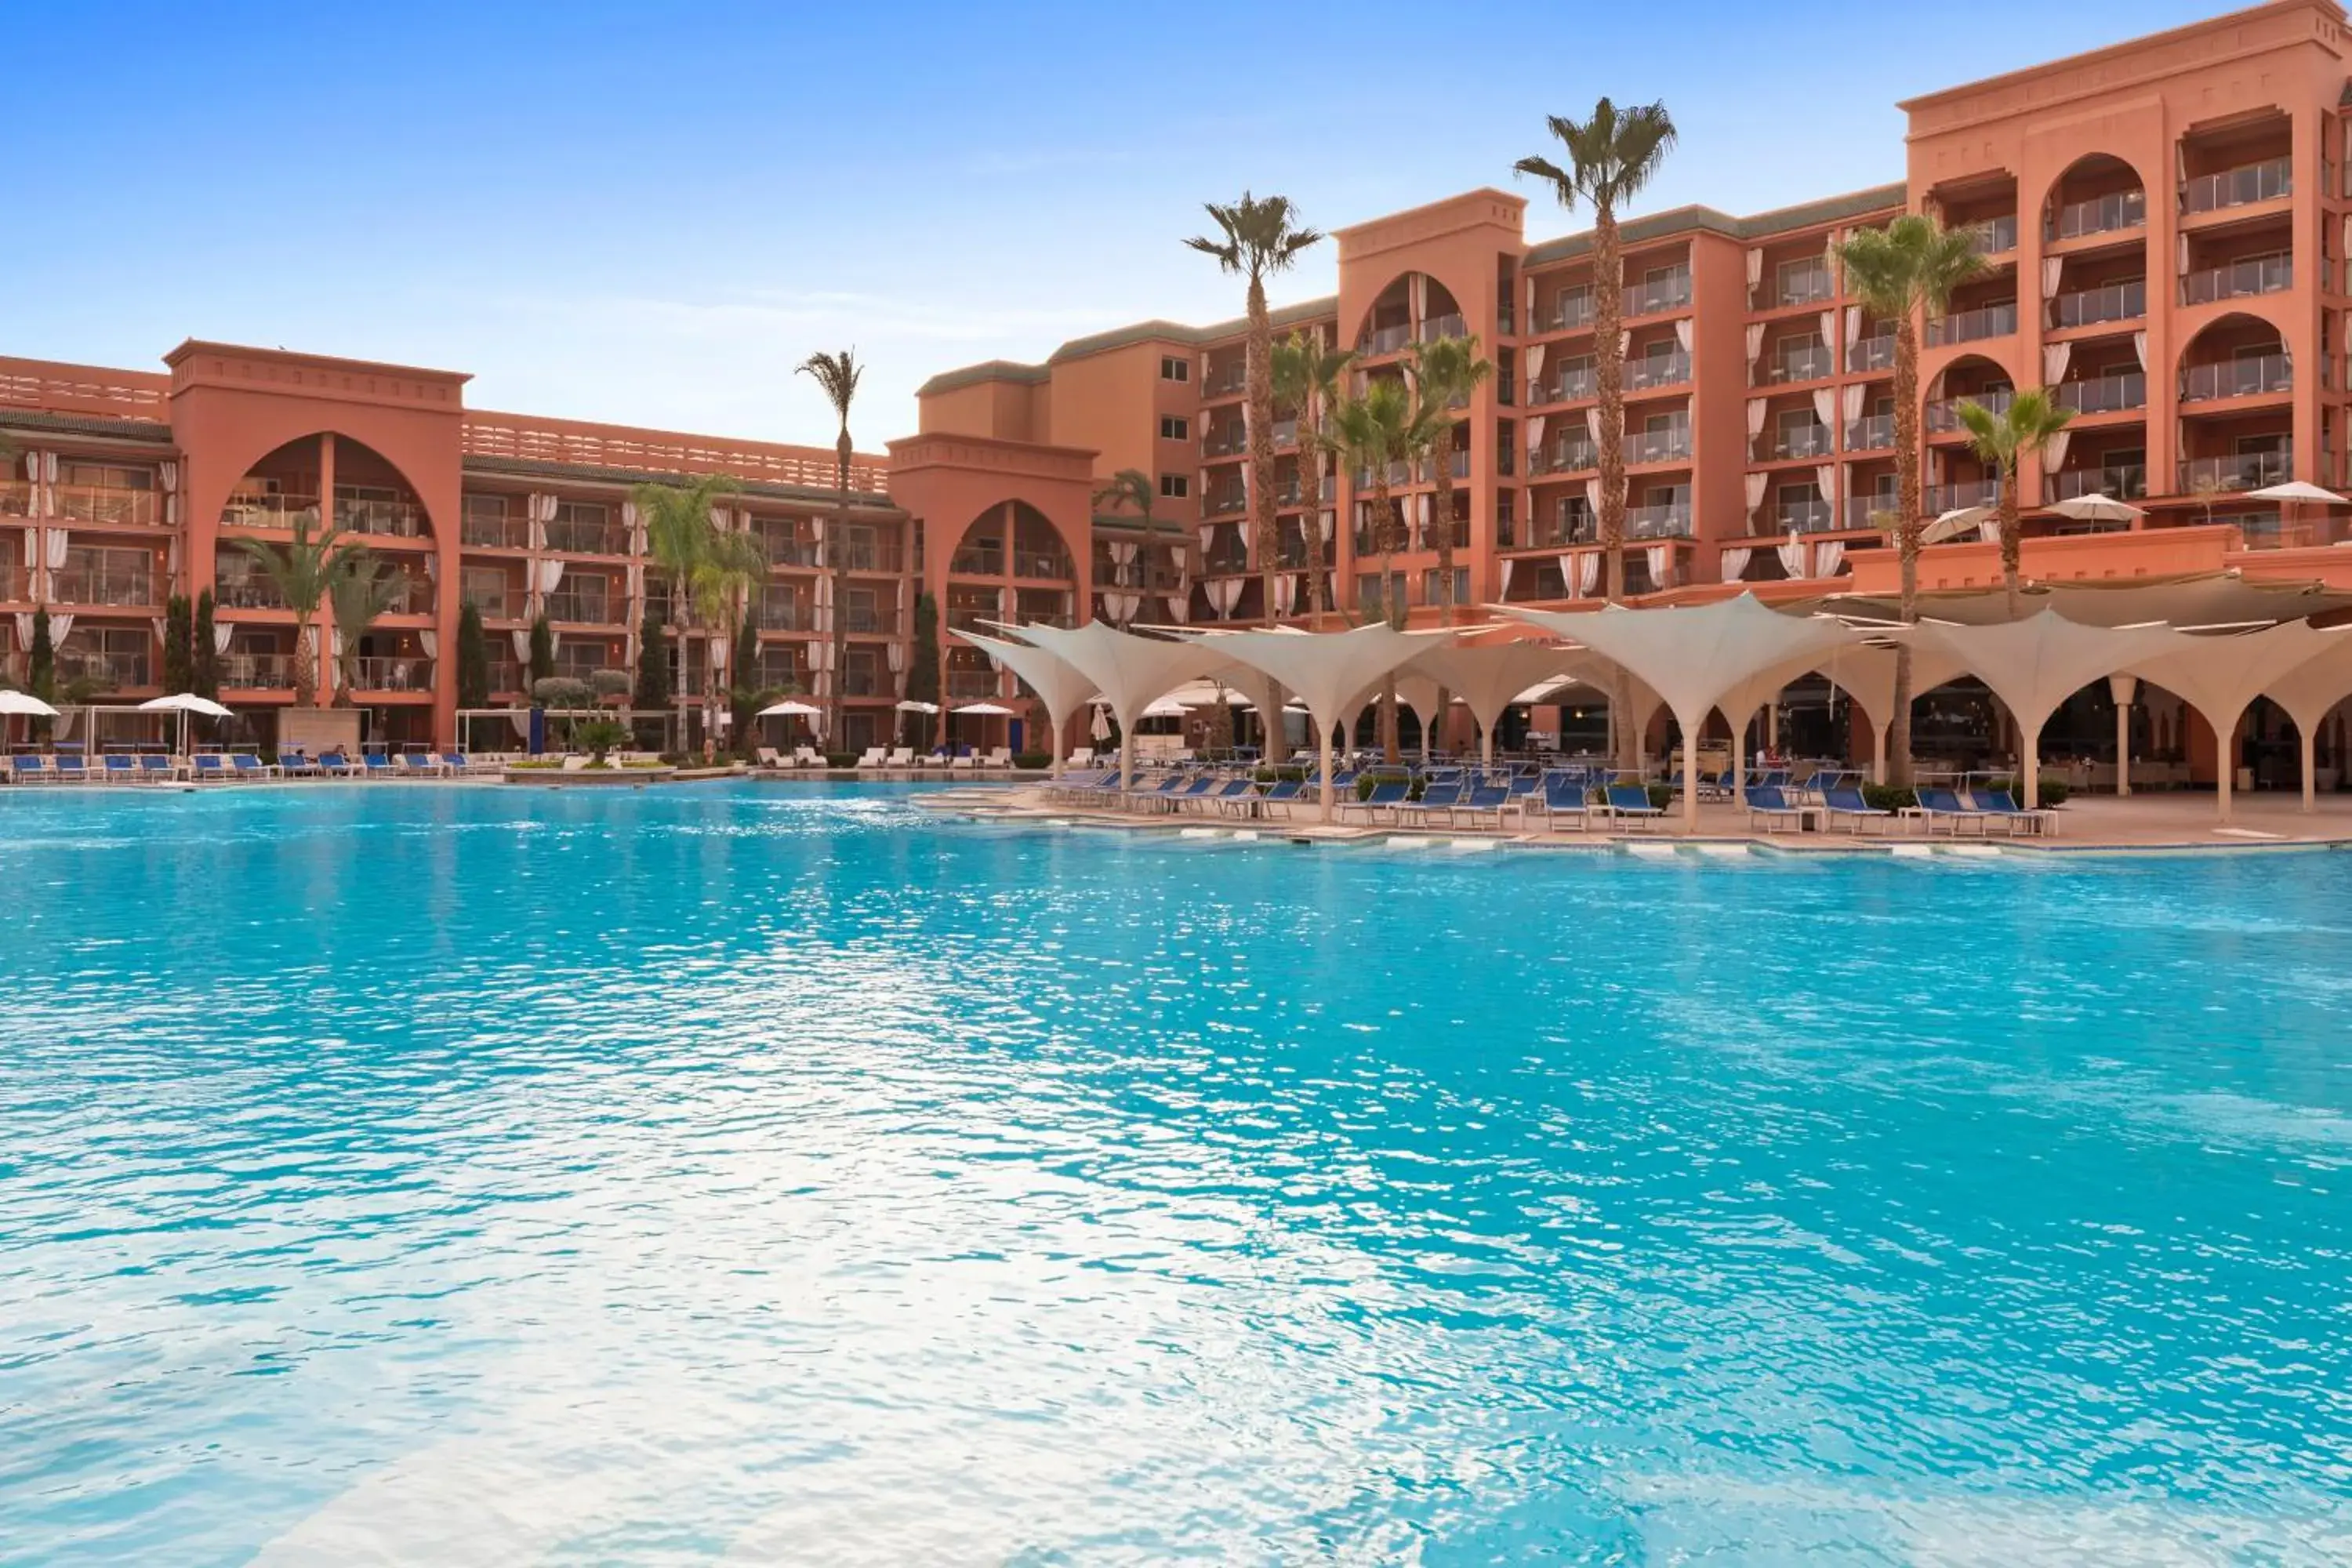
1806	285
1814	516
782	610
109	504
1672	293
566	537
1992	235
2110	214
866	555
2237	470
106	671
393	674
1658	445
2243	186
1864	355
380	519
970	685
269	511
1809	360
1944	416
1871	433
2239	279
257	592
1230	381
1666	520
977	562
1572	309
505	674
1650	371
1565	457
1231	441
15	584
1974	326
2103	393
1386	340
258	671
2124	301
1567	387
1437	329
870	620
1941	498
2117	482
97	586
2252	376
1045	565
1808	440
1226	502
482	531
1861	508
584	607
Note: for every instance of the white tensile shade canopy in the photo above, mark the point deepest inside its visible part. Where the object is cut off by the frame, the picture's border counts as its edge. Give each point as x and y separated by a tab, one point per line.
1326	669
1693	656
2035	664
2308	692
1739	703
24	705
1489	677
2205	599
1128	670
1422	695
1059	687
1866	674
2219	676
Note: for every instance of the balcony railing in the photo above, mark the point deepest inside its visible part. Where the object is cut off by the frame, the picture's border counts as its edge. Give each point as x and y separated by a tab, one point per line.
2100	215
1565	387
1807	361
574	538
1871	433
1804	286
867	555
1668	294
1225	443
270	511
977	563
1571	309
1048	566
108	504
786	547
1565	457
784	613
2122	301
381	518
2117	482
1940	498
1666	520
1439	328
2238	471
393	674
970	686
1658	445
1870	354
1226	562
870	620
1804	517
2254	275
582	608
1225	503
1385	340
2241	186
506	674
16	585
1861	508
1227	381
2249	377
491	603
99	585
2103	393
1971	326
1992	235
1811	440
481	532
107	671
1944	416
1657	370
266	671
257	592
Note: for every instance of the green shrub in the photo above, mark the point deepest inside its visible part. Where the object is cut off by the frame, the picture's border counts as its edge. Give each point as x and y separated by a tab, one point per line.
1889	797
1033	760
2053	789
841	759
1372	778
1277	774
561	691
1661	795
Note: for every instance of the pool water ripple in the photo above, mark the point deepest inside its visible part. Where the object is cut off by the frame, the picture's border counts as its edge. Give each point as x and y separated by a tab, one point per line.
744	1175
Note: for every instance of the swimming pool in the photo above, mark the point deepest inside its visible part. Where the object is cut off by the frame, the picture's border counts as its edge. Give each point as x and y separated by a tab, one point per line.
777	1173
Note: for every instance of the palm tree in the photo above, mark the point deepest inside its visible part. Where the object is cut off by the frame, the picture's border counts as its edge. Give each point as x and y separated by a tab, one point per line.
732	567
360	588
838	373
678	537
1447	371
1258	239
1384	427
1306	376
1908	269
1612	155
2026	427
300	569
1129	490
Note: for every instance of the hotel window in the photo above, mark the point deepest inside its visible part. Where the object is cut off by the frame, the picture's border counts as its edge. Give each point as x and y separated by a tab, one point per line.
1175	428
1175	486
105	475
1434	587
1174	368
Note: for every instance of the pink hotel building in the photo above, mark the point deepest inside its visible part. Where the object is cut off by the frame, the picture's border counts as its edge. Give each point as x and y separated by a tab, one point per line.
2169	228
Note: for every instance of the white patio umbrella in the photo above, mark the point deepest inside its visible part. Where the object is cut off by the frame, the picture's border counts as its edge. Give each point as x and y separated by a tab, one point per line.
1164	708
1954	524
2297	493
184	703
1100	728
987	709
24	704
790	710
2096	507
912	705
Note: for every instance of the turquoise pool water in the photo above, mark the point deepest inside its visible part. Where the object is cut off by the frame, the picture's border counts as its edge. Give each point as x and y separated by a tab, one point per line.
776	1174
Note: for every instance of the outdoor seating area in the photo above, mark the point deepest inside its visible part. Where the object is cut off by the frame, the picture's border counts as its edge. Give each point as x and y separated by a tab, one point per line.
133	766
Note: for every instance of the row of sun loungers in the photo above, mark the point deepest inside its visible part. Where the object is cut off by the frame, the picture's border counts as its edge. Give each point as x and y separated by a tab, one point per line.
228	767
879	759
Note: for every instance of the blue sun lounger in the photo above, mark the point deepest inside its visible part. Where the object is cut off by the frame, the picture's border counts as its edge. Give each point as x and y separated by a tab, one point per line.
1767	803
1386	796
154	765
70	768
120	767
27	768
1631	803
1943	805
212	766
1999	806
1440	795
1848	801
1485	799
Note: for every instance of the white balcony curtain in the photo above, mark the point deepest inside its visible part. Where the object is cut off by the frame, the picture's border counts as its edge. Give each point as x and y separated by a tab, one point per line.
1208	536
1829	328
719	517
2140	346
1854	396
1791	552
1503	582
1825	404
634	526
1825	479
49	484
1853	329
1571	573
1755	279
1180	604
1534	360
1683	333
1661	561
1122	554
1756	486
2054	269
1324	524
1531	303
1587	574
1418	292
637	581
520	638
1734	562
1624	341
718	656
550	574
1592	424
1593	495
1827	556
430	641
1535	433
1755	418
172	558
168	475
2181	255
2055	458
1755	341
1004	604
2054	358
1989	531
59	541
896	657
61	625
24	630
536	511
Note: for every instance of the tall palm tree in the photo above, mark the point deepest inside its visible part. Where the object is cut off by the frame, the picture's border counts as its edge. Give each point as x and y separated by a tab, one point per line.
1306	376
679	535
838	373
2027	426
360	588
1906	270
1130	489
1611	154
1383	426
1446	373
1256	237
731	569
300	569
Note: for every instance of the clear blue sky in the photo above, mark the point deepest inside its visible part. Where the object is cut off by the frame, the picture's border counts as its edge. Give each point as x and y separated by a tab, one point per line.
649	212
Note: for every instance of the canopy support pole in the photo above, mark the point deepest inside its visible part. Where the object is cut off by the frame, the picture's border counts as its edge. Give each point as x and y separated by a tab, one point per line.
2123	688
1690	773
1878	753
2310	760
1325	788
2028	760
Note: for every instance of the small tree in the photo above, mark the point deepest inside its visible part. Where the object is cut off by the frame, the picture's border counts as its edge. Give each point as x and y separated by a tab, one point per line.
652	693
923	663
542	652
2027	426
744	695
179	668
299	569
41	662
473	659
597	737
360	588
203	651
